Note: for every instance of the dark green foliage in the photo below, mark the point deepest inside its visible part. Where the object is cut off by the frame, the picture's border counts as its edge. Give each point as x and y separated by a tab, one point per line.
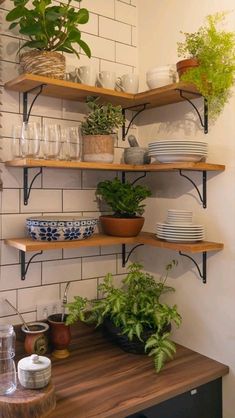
215	51
103	119
79	312
124	199
49	27
136	307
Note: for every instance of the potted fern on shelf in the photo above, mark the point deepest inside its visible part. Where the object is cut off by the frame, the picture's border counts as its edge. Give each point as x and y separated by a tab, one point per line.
51	29
126	201
133	316
98	131
209	62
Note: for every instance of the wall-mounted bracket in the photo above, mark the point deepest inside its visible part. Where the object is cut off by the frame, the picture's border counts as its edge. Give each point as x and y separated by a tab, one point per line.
125	257
26	112
204	119
27	189
25	266
138	178
203	195
202	273
138	109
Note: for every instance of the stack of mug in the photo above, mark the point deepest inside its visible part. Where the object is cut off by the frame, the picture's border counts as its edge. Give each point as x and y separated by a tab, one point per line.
86	74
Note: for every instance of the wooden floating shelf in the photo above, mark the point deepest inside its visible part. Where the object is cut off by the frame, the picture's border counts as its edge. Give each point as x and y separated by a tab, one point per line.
29	245
76	91
30	163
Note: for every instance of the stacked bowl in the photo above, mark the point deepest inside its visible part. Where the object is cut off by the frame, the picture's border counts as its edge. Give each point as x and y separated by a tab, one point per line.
160	76
180	228
169	151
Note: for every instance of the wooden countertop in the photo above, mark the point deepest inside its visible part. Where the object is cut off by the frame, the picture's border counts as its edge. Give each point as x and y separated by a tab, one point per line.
99	380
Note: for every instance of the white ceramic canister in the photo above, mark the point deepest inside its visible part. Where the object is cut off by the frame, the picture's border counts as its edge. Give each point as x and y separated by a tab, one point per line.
34	372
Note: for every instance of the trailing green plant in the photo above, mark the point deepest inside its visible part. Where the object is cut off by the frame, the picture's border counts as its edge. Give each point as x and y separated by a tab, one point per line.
135	308
214	49
49	27
102	119
124	198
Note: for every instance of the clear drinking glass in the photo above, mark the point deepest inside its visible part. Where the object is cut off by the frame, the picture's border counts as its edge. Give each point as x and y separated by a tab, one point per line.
51	141
30	139
7	364
73	143
15	144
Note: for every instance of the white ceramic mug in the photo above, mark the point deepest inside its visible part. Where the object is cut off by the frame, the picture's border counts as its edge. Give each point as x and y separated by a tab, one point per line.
107	79
128	83
86	75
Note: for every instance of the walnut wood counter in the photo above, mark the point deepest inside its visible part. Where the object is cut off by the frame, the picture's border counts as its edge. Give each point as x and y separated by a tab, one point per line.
99	380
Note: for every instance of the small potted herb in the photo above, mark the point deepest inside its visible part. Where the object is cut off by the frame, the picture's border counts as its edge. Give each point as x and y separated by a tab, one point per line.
210	62
98	131
125	200
51	29
133	316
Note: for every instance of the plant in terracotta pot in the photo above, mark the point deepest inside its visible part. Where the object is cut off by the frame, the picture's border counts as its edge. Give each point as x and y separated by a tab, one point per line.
51	29
133	316
125	200
213	67
98	131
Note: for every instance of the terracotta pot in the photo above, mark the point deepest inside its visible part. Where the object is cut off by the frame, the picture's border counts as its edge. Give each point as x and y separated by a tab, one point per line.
121	227
35	340
185	65
98	148
47	63
60	335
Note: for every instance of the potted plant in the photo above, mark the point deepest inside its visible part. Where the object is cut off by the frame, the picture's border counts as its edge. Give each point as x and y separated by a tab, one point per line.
51	29
98	131
125	200
213	69
133	316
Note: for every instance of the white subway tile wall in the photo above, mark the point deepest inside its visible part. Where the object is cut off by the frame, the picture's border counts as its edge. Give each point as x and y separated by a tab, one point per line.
111	34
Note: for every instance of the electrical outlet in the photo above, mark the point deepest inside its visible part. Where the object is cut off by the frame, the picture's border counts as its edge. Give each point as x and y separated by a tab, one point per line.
47	309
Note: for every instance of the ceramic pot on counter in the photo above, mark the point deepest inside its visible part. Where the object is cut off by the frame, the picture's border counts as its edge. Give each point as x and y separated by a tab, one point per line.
60	336
36	341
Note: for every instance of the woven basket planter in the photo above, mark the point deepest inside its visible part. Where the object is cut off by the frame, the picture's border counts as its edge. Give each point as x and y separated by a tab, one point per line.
46	63
98	148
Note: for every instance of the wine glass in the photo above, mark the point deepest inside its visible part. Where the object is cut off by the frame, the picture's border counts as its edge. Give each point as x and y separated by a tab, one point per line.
51	141
73	143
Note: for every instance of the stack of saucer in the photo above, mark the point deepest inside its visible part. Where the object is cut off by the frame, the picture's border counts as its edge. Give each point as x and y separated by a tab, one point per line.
169	151
179	227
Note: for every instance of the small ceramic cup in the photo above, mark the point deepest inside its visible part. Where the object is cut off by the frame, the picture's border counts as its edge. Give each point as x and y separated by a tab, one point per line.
86	74
107	79
128	83
60	336
35	339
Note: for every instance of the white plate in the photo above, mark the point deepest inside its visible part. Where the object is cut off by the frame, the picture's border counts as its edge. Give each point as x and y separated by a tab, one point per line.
180	240
179	211
201	235
177	149
191	226
177	142
179	158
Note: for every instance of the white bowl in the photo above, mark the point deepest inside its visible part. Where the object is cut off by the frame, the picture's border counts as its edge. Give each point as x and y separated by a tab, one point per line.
157	81
161	69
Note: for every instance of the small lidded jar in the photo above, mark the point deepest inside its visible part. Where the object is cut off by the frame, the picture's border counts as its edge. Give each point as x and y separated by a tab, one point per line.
34	372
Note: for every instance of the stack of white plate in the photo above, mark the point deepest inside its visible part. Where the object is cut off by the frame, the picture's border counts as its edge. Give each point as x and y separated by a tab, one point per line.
168	151
179	227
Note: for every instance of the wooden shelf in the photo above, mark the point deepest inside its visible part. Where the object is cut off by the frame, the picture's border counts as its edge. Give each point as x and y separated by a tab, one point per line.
75	91
29	245
27	162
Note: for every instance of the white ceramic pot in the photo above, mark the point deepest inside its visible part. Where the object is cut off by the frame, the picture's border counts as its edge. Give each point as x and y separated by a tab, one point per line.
158	81
34	372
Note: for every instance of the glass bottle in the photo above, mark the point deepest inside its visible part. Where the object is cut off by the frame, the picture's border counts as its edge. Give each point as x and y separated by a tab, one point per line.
7	363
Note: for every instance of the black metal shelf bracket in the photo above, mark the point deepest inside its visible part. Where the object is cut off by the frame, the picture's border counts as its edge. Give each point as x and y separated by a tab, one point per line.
25	266
125	257
138	178
203	273
204	120
27	189
139	109
26	112
203	195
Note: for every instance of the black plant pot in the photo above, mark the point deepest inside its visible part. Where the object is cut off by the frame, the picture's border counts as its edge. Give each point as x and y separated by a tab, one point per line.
135	346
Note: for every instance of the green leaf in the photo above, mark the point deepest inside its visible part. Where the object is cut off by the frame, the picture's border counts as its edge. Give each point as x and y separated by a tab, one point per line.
74	35
15	13
31	30
33	45
82	16
13	25
85	48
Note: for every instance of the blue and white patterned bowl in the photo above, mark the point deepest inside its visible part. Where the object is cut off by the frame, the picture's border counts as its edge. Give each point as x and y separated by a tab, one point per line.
48	228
